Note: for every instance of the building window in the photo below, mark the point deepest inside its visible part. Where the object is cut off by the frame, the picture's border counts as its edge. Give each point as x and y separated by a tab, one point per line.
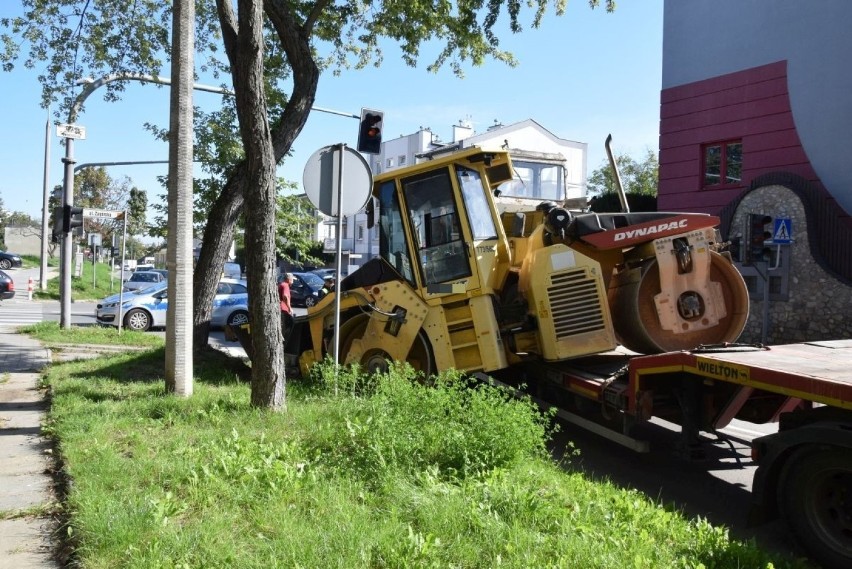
401	159
723	163
360	232
389	163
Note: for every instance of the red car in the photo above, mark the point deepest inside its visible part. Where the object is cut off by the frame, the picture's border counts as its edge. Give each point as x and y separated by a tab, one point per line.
7	286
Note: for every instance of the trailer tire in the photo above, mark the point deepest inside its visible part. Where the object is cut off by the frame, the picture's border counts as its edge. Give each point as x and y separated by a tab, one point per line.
815	494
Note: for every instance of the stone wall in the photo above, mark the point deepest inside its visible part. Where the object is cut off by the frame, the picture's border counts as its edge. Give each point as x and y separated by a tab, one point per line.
819	303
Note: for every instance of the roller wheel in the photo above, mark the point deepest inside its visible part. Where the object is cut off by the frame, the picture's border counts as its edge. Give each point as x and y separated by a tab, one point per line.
815	494
419	357
635	312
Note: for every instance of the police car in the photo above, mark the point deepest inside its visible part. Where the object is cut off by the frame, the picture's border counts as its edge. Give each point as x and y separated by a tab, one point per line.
146	308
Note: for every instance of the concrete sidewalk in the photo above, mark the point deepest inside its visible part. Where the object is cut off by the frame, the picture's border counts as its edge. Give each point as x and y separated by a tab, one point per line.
25	484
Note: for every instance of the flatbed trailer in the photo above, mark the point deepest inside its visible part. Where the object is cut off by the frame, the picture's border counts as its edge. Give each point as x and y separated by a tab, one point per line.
804	470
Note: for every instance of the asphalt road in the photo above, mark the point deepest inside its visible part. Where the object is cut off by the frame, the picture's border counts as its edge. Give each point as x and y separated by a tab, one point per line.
717	488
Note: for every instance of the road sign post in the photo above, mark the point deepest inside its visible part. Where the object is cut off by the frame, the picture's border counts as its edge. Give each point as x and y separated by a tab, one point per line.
327	171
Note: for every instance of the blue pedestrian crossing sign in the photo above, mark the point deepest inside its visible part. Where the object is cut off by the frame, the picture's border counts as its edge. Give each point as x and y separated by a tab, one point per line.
783	231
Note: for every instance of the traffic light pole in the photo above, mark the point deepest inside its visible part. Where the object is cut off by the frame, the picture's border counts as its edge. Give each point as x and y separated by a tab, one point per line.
67	242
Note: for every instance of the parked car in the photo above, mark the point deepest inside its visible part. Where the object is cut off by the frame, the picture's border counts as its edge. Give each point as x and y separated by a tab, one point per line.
306	289
143	279
9	261
232	271
143	309
7	286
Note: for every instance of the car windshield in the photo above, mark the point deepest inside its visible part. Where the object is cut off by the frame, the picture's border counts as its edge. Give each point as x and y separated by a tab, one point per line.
144	277
312	280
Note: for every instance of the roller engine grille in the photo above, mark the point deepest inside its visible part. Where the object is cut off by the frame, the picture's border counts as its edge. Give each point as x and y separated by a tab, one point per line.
575	303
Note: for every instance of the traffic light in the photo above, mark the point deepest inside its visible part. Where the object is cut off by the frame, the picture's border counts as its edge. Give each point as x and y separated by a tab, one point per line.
58	225
72	218
370	132
758	237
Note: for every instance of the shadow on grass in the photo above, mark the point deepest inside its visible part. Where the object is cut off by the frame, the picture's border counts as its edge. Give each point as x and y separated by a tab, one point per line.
210	366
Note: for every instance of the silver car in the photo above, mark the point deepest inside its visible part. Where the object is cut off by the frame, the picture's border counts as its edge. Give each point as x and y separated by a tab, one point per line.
143	279
144	309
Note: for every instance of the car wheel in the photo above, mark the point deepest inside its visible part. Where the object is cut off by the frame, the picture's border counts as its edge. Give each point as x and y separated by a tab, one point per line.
238	318
137	320
310	301
5	264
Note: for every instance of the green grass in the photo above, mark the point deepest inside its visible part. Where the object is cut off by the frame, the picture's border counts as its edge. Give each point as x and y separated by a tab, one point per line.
85	287
380	471
51	333
34	261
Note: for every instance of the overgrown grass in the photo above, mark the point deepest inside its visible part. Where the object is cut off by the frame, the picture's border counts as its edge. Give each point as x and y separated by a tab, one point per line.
382	471
52	333
33	261
85	287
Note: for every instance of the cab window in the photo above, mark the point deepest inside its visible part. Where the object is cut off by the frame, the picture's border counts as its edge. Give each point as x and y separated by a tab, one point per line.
392	243
478	212
434	219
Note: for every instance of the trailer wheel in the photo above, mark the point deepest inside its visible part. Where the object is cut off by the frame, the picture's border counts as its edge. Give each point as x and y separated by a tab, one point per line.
815	494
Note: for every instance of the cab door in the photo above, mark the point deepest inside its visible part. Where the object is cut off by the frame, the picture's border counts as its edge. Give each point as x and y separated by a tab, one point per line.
449	219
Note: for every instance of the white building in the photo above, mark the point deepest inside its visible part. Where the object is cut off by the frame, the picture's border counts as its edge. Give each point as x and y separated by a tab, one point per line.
547	168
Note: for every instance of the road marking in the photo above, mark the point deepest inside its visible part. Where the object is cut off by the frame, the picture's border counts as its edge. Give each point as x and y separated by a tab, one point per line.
14	314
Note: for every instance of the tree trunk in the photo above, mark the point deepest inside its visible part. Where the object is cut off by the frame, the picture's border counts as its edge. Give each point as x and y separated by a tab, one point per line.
217	238
226	210
179	361
267	378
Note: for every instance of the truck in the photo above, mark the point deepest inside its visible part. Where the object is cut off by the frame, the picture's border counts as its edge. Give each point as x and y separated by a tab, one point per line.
612	318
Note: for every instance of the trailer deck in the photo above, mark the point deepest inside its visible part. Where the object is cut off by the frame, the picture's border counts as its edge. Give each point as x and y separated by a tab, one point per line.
820	372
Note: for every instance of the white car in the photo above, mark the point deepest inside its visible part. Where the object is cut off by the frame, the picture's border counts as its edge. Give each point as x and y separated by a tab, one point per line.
144	309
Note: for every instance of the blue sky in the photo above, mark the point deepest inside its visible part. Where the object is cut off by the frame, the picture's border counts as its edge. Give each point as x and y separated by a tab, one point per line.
582	76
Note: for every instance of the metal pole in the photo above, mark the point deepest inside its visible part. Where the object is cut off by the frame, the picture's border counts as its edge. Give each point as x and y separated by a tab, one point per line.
45	209
764	325
119	315
338	260
616	175
67	202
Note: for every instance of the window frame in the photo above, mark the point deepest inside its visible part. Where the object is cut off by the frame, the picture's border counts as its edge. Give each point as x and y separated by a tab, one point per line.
723	164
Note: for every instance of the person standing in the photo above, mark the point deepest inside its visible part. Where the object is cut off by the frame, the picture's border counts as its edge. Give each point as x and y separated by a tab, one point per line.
286	307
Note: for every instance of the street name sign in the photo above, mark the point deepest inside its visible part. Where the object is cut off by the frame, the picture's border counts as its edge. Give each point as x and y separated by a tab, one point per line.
102	213
71	131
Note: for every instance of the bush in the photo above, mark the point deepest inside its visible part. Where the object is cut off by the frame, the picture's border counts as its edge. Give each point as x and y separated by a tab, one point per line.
454	426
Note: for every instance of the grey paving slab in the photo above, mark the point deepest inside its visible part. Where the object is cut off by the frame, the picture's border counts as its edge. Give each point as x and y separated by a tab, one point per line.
25	484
